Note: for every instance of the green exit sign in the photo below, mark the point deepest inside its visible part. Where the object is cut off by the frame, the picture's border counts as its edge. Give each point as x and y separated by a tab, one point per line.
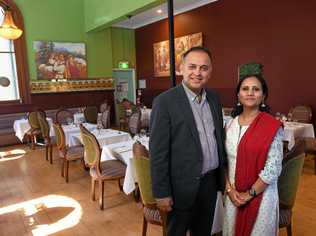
123	65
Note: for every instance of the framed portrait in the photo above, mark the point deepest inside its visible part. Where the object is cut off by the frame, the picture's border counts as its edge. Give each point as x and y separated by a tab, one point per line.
181	44
60	60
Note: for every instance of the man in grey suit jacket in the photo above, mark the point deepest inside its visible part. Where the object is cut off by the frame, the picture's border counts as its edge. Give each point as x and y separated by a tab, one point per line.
186	147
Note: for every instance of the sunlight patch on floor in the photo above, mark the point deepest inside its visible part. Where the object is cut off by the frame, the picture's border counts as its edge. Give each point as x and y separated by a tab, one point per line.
12	154
34	206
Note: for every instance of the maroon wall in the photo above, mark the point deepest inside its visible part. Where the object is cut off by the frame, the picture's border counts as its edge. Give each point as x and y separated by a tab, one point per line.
280	34
57	100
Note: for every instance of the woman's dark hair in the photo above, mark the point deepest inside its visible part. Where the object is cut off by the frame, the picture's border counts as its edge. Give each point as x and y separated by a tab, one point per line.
239	109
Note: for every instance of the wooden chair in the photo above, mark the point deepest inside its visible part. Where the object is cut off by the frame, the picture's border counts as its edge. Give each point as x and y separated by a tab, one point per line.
91	114
125	109
121	113
288	184
66	153
105	118
151	214
310	148
301	113
104	106
63	116
100	171
35	129
44	126
134	123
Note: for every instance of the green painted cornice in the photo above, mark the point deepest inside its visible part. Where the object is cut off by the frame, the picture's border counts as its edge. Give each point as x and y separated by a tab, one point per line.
100	14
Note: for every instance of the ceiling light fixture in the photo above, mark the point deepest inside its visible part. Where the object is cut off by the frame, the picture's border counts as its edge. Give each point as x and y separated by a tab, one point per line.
8	29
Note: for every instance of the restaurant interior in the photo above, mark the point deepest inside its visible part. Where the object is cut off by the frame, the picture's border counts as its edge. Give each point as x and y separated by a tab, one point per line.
77	83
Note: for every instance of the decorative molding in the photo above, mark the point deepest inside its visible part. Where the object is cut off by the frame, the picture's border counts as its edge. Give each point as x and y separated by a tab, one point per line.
62	86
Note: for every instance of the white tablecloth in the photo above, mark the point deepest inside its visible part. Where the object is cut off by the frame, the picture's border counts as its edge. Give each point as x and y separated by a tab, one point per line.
22	126
294	130
79	117
105	137
124	151
75	130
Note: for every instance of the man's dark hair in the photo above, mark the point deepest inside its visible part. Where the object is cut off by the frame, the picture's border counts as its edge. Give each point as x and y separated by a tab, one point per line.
197	49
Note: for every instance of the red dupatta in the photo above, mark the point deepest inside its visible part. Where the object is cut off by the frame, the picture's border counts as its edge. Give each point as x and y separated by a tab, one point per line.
251	157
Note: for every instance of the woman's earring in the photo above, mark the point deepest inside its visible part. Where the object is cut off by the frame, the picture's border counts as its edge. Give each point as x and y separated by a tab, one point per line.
238	104
263	105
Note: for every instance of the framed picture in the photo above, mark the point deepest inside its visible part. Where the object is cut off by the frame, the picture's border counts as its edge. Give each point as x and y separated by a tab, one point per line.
60	60
161	53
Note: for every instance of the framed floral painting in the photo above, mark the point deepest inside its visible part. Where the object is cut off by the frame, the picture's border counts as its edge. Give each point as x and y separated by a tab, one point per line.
161	53
60	60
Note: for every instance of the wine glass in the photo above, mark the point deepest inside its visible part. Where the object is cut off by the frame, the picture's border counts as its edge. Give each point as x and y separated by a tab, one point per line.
142	133
283	118
289	116
69	121
99	127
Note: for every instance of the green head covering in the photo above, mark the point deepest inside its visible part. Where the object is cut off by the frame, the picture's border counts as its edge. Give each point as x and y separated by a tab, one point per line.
252	68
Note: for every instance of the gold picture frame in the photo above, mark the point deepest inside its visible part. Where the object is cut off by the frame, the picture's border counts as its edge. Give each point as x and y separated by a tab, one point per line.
181	45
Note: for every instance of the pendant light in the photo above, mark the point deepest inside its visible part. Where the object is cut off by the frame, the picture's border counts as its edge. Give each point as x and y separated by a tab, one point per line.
8	29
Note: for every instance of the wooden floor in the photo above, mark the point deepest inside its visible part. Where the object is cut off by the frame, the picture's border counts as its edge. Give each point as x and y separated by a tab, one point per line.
35	200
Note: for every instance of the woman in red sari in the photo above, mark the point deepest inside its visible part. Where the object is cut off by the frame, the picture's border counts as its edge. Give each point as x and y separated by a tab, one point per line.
254	153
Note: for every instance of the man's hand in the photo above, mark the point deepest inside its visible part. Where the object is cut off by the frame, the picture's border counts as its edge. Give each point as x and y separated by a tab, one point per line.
165	204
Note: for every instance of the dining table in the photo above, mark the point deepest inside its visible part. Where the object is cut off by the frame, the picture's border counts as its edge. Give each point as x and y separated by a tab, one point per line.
123	151
104	137
293	130
21	126
74	130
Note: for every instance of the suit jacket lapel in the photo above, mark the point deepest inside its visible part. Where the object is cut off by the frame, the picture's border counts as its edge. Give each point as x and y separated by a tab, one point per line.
183	101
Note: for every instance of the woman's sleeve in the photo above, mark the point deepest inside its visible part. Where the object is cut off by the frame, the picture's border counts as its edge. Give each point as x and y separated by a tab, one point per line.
273	166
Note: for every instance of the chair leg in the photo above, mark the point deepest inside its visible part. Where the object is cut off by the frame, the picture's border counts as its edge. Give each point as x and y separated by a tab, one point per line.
120	185
315	164
51	153
289	229
163	216
101	193
93	181
136	193
144	227
46	152
63	168
32	142
67	170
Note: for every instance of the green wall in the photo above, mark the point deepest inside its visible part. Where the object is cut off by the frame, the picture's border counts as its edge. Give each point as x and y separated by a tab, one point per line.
123	46
103	13
47	20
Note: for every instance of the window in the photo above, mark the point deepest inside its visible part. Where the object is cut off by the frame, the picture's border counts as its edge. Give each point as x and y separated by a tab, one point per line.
13	63
8	68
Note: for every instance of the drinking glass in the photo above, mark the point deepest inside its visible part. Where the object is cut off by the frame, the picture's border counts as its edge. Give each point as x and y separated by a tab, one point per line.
99	127
142	133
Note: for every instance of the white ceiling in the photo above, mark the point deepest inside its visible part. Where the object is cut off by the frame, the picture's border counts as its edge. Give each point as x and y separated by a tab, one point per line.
151	15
